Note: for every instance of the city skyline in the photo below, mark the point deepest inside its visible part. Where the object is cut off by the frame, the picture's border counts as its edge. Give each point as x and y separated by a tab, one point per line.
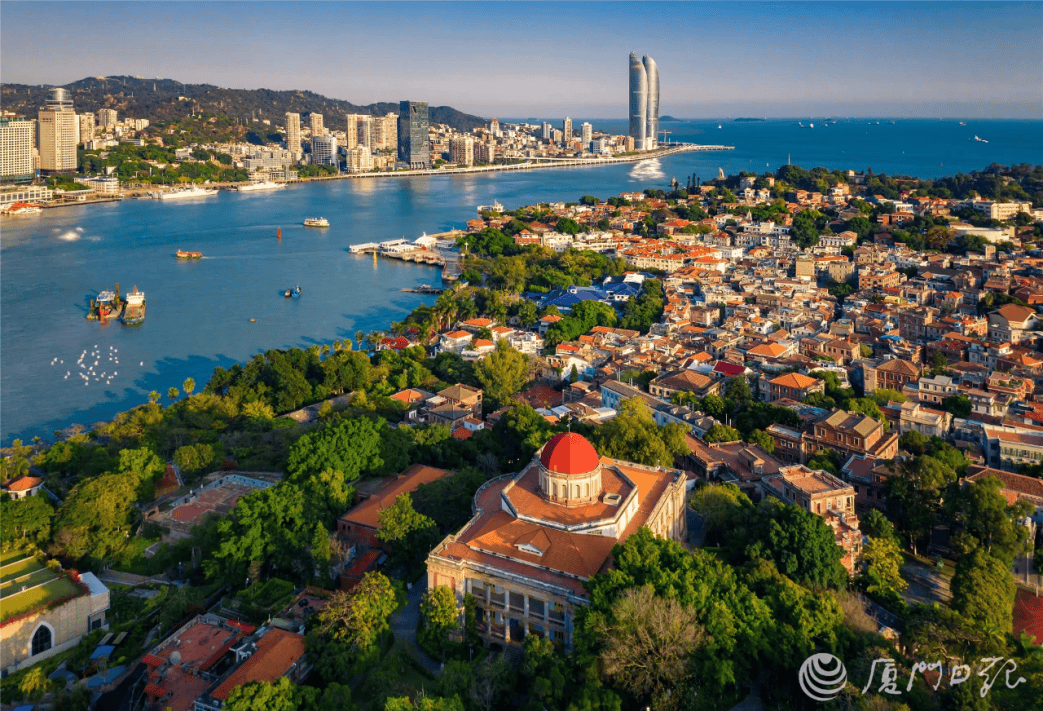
861	63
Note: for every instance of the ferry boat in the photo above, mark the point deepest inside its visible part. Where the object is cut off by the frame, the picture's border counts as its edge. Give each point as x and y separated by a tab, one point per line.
261	185
316	222
106	306
22	208
184	193
134	311
979	140
188	255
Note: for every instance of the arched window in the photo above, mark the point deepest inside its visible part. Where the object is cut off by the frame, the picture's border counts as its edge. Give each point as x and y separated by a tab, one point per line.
577	491
41	639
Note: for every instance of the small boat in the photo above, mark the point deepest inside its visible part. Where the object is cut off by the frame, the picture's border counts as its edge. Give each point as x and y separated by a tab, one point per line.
294	293
134	312
259	186
718	125
22	208
183	193
979	140
963	123
188	255
316	222
106	306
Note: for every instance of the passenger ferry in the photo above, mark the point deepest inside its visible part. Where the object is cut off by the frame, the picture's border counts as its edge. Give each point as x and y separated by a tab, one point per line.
316	222
261	185
184	193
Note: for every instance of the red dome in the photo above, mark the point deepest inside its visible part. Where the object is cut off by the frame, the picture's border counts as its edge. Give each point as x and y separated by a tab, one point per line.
569	453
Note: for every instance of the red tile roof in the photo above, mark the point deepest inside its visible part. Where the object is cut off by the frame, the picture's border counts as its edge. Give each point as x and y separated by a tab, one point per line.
367	513
24	483
569	453
276	652
155	691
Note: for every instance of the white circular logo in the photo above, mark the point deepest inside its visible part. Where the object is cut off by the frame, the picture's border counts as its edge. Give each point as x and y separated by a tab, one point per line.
822	676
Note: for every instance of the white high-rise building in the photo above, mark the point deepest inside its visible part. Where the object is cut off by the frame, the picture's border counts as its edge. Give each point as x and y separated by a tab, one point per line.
546	130
351	133
359	159
385	132
58	129
494	128
365	131
17	140
461	150
324	149
293	134
316	125
566	131
107	118
86	127
587	135
644	102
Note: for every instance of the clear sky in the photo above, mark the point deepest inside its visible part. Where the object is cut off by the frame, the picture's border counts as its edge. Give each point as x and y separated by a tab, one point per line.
552	59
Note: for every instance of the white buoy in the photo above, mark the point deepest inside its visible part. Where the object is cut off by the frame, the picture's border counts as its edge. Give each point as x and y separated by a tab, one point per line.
141	363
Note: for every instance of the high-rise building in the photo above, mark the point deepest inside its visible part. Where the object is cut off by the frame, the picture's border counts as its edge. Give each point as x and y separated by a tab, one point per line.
364	132
587	135
324	149
293	134
316	125
16	150
644	102
546	130
107	118
566	131
387	137
414	146
461	150
86	127
58	127
494	128
359	159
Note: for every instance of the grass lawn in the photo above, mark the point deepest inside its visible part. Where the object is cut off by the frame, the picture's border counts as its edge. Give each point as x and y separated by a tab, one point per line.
12	556
17	570
18	603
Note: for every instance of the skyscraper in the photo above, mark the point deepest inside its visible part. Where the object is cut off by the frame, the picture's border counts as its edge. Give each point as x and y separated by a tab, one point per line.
461	150
316	125
58	131
414	147
566	131
364	132
86	127
644	102
587	134
324	149
16	150
293	134
351	134
494	128
107	118
546	131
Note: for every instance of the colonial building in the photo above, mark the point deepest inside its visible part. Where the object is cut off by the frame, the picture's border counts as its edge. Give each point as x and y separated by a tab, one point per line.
538	535
794	386
891	374
854	433
361	524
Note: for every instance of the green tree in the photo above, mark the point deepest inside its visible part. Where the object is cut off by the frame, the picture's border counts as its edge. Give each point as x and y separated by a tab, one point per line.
721	506
189	385
914	494
983	591
802	546
737	390
762	439
173	393
958	405
25	521
264	696
360	617
96	516
985	520
883	561
568	226
440	617
722	433
348	446
408	534
882	396
194	458
503	372
876	525
424	703
633	436
34	684
153	397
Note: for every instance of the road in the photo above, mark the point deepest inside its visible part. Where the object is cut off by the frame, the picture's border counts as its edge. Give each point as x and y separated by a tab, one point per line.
405	621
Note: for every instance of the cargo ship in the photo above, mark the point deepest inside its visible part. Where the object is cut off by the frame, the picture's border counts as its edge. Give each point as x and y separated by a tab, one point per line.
134	311
188	255
106	306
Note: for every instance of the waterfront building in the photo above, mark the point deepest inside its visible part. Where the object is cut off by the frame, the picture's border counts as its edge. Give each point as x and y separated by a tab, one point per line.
359	159
107	118
385	132
317	128
414	147
267	160
58	128
351	133
26	193
586	133
86	127
324	149
364	132
546	130
293	134
16	150
537	536
461	150
566	131
494	128
644	102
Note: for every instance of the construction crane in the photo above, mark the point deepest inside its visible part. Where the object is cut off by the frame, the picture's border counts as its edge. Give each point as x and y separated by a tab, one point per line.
665	134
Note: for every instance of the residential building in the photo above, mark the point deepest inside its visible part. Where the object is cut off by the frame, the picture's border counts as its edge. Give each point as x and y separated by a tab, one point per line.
877	279
854	433
58	130
1010	323
933	390
684	381
359	159
351	132
364	131
868	476
293	134
1009	447
1001	210
315	121
461	151
537	536
17	140
385	132
892	374
586	135
824	495
566	131
361	524
86	127
23	486
324	149
414	147
794	386
913	416
107	118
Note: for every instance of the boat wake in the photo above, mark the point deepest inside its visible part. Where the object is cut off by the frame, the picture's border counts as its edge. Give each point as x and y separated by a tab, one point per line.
647	170
71	235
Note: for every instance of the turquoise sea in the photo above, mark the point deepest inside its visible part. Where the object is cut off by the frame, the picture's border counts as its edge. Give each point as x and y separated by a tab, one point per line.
199	313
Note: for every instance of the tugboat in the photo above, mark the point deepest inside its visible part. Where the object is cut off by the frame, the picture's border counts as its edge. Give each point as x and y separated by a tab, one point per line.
316	222
188	255
134	311
294	293
106	307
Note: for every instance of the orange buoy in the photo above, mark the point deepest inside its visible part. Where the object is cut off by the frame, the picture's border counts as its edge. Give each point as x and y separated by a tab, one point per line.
279	233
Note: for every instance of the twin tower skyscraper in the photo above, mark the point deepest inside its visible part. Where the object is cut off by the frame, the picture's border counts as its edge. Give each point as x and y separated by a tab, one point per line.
644	102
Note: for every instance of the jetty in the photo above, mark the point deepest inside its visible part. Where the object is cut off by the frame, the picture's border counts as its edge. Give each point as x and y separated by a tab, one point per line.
424	289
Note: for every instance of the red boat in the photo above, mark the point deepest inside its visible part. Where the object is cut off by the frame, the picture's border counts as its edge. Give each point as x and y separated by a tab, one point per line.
189	255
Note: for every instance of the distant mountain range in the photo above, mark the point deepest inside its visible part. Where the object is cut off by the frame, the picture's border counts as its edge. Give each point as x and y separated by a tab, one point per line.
169	100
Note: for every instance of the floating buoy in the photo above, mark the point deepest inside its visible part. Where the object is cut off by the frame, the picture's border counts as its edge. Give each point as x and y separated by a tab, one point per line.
253	320
278	234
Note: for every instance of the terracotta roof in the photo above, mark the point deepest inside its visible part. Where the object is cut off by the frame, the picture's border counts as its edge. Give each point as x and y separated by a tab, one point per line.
155	691
770	350
367	513
794	380
1018	483
569	453
276	652
23	483
1028	615
482	343
480	322
410	395
852	421
462	433
152	660
1015	313
897	365
457	334
526	500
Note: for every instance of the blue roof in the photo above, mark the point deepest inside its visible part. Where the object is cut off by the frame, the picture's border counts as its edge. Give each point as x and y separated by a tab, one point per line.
105	677
102	652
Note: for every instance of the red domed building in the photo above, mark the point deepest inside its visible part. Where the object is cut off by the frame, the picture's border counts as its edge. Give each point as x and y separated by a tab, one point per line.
537	535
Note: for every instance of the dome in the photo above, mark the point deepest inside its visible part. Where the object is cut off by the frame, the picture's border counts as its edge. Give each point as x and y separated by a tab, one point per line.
569	453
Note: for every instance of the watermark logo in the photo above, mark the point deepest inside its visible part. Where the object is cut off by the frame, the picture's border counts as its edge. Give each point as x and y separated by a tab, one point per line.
822	676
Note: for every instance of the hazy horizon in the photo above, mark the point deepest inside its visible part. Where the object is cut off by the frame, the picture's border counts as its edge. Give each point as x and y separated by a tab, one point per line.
784	60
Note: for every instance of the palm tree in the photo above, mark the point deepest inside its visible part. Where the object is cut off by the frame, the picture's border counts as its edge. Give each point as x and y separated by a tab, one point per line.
34	684
189	385
347	345
153	397
172	394
359	337
337	345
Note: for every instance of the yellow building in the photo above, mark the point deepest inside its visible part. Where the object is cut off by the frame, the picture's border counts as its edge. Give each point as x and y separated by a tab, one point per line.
538	535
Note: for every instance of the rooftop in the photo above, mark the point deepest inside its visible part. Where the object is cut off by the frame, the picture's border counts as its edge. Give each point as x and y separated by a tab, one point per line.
367	513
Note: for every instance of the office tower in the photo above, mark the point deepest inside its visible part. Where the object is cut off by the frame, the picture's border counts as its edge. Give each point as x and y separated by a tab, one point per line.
461	150
351	133
324	149
293	134
316	125
566	131
58	128
546	130
414	146
16	150
385	132
107	118
587	134
365	131
86	127
494	128
644	102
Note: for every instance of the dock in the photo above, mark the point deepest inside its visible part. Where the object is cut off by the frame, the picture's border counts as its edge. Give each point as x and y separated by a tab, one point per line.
424	289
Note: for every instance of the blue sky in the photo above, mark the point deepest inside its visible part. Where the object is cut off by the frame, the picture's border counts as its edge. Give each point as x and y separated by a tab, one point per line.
550	59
